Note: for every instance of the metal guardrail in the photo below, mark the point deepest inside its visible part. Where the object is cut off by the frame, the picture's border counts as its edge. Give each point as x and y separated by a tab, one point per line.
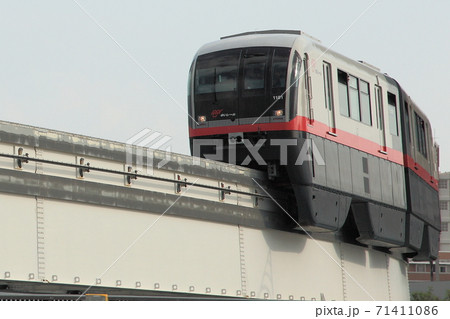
110	297
132	175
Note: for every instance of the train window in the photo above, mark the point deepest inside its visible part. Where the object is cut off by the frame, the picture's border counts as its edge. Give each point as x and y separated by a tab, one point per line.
254	75
407	123
428	135
226	78
278	76
392	102
328	92
421	135
354	97
215	83
204	81
366	112
327	86
279	68
189	86
293	88
216	74
392	99
379	108
343	93
308	87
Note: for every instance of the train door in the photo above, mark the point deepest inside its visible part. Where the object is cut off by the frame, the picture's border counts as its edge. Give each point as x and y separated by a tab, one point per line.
253	100
380	117
329	105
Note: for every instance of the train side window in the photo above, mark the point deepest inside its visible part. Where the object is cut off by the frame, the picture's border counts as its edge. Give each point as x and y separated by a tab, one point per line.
308	87
296	66
354	97
295	78
379	107
343	93
392	102
366	112
327	86
429	137
407	123
421	135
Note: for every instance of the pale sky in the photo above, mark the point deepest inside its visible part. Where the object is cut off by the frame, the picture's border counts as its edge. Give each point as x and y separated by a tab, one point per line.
60	70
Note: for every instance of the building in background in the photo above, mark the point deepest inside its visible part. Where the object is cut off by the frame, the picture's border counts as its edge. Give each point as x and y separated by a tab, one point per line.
444	204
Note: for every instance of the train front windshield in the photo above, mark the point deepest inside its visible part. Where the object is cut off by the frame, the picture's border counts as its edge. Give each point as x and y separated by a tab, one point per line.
240	83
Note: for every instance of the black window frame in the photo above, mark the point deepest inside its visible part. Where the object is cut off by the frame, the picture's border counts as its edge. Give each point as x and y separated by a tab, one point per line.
344	108
278	60
407	123
353	93
379	107
240	102
294	79
362	111
421	135
347	109
392	109
225	55
328	85
249	70
308	87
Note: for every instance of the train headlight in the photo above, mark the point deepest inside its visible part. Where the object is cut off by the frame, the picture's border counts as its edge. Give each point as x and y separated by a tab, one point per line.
278	113
202	119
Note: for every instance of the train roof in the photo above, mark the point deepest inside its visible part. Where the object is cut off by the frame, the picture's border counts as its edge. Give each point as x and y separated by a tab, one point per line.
287	38
277	38
295	32
273	38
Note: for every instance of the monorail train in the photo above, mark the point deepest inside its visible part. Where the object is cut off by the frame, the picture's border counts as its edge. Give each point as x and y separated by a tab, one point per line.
345	139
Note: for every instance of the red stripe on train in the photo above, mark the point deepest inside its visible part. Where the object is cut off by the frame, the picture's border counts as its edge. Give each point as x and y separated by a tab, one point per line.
303	124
